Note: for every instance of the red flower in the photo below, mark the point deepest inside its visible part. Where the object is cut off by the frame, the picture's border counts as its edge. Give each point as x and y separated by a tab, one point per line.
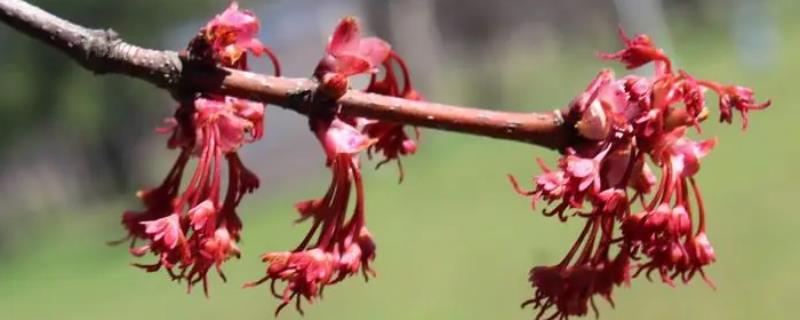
701	254
165	231
306	274
638	52
201	215
167	241
693	98
735	97
701	250
611	274
210	251
612	201
349	54
583	173
685	155
233	33
567	289
550	186
576	178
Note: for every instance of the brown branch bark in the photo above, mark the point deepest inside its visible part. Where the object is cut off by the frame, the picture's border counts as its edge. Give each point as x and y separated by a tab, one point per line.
102	51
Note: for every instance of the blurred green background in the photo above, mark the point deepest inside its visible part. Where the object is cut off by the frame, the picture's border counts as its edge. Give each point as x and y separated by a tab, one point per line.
455	242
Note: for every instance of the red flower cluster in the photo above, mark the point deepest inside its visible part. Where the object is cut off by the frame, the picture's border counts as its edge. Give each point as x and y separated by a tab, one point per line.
622	122
391	138
197	228
343	246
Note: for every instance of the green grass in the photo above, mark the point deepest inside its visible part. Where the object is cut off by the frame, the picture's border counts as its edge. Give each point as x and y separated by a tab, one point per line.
454	241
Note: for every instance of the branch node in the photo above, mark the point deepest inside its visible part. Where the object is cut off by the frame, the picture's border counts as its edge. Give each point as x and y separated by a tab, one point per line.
559	119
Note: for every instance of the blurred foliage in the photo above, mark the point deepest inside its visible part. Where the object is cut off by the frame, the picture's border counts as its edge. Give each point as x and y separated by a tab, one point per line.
43	89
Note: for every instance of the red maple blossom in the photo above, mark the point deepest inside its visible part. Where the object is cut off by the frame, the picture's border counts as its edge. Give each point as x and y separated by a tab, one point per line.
196	228
622	123
344	246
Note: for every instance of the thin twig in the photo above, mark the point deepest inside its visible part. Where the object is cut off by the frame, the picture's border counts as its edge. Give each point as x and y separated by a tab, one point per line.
103	51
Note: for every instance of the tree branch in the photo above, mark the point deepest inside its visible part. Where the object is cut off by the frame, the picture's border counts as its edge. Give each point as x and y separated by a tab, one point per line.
102	51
